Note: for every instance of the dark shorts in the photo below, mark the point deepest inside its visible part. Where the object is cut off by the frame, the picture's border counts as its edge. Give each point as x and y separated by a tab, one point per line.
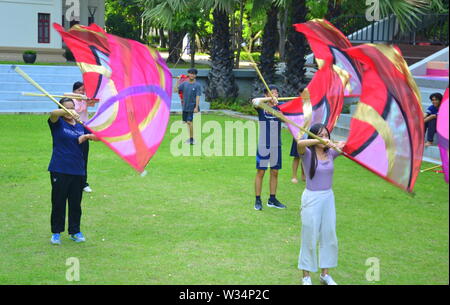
294	152
271	158
188	116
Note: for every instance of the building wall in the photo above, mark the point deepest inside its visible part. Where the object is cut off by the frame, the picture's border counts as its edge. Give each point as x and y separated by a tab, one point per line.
19	22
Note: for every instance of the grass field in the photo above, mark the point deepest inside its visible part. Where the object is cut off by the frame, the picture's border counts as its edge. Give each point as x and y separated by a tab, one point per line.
191	220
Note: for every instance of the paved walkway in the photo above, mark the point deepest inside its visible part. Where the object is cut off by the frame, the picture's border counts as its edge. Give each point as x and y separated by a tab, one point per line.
205	60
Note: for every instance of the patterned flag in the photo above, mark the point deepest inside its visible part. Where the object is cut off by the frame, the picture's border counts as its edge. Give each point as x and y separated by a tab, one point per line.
134	86
387	130
323	98
442	132
328	45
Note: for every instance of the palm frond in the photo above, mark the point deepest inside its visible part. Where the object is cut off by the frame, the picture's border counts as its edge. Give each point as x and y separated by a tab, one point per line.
408	12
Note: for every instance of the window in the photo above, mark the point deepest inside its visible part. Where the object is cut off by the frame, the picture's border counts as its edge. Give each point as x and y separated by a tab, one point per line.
43	28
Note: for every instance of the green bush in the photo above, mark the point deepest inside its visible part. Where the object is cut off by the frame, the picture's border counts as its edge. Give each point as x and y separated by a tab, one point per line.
30	52
255	56
239	105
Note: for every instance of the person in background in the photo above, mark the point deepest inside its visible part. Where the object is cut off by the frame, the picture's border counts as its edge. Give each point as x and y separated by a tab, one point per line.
190	91
81	107
430	119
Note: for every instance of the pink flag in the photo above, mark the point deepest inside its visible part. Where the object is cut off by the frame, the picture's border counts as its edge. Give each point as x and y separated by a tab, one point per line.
134	86
442	131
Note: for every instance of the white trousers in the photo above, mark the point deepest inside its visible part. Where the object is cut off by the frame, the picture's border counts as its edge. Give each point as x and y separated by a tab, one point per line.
318	215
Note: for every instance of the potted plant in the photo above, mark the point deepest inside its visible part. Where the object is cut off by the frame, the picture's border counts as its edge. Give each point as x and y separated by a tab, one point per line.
29	56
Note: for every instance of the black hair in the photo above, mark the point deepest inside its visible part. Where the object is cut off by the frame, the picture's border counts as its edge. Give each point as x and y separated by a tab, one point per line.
436	95
65	100
77	85
271	87
192	71
315	129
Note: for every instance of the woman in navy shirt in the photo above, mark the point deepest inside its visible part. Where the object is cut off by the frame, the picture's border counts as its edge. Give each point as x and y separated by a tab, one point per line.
67	169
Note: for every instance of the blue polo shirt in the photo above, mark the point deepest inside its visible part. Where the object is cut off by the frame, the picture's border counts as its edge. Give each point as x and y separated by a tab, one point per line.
67	155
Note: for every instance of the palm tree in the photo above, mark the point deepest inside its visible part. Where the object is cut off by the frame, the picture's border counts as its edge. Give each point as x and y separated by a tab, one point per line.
334	9
270	41
221	83
294	73
179	17
408	11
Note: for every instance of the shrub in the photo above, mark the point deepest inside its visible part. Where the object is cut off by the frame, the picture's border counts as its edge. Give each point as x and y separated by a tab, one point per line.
239	105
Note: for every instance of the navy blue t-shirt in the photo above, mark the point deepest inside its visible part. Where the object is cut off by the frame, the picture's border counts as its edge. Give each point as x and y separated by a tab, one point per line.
190	93
432	110
269	129
67	156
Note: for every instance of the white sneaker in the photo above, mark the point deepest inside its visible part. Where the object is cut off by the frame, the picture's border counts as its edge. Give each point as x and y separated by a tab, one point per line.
306	280
87	189
327	280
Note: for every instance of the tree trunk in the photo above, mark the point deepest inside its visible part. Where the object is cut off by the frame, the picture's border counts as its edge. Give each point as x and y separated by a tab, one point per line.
239	37
270	42
192	48
221	82
175	46
162	38
294	74
282	22
334	10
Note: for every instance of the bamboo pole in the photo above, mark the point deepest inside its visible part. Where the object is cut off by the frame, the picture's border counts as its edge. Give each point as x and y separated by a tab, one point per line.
430	168
259	72
277	113
35	84
282	117
73	96
287	98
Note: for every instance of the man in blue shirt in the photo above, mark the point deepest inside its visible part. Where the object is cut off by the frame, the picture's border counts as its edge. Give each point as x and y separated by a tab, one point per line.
191	91
268	154
431	117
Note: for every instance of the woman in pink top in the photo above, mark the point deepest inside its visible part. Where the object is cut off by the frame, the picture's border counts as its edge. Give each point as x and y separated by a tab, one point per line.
318	212
81	107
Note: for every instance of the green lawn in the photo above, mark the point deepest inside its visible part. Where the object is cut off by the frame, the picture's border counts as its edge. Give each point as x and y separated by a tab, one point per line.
191	220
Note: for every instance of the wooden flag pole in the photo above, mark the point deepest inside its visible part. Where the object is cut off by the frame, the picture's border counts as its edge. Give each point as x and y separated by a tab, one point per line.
287	98
72	96
259	72
429	169
31	81
277	113
286	120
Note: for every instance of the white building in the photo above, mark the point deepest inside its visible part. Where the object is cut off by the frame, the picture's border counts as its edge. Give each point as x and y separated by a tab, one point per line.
27	25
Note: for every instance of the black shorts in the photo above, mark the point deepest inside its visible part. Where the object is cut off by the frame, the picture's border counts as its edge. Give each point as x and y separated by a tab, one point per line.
188	116
294	151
